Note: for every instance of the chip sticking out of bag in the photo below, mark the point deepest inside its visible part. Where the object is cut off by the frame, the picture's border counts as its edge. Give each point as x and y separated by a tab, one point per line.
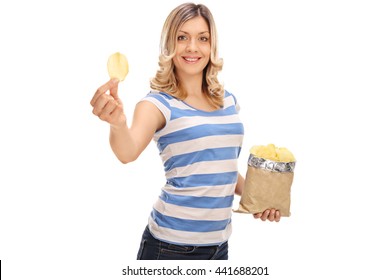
117	66
271	152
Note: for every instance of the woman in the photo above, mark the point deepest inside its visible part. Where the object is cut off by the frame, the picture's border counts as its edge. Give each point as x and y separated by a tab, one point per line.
195	124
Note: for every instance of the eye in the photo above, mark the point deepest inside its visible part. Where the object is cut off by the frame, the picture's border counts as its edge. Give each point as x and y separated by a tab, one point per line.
204	39
181	38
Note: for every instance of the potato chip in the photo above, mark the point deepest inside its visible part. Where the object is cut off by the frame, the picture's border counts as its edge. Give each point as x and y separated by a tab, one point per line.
271	152
285	155
117	66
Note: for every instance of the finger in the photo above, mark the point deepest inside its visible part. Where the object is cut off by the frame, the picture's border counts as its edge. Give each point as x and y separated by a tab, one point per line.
265	215
271	216
108	109
114	89
257	215
103	89
277	216
116	114
100	103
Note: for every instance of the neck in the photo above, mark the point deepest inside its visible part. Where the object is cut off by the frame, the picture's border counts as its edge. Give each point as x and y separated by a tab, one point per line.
192	85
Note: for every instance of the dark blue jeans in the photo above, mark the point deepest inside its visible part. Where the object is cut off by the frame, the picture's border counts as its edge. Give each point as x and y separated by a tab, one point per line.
153	249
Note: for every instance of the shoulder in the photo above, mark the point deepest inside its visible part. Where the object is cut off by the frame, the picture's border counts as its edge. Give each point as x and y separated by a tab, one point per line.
228	95
161	100
231	100
162	97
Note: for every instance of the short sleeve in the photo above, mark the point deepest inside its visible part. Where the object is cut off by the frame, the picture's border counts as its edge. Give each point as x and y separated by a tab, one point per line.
236	104
160	102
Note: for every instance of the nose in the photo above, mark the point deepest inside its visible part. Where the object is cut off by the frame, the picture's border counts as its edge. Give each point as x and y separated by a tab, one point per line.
191	45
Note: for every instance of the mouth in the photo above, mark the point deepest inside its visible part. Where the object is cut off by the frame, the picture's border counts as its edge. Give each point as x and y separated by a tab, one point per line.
191	59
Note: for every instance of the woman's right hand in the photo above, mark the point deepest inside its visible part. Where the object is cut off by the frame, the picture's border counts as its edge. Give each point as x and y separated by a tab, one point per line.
108	107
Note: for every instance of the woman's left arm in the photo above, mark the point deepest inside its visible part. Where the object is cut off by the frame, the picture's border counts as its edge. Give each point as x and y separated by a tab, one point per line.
272	215
240	185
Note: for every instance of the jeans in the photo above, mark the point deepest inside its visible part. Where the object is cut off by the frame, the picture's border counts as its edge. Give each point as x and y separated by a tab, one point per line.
154	249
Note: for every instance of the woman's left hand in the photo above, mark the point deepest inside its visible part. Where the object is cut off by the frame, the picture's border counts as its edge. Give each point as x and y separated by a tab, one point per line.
270	214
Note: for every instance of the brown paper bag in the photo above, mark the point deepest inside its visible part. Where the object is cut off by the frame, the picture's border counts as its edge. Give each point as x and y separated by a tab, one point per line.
267	185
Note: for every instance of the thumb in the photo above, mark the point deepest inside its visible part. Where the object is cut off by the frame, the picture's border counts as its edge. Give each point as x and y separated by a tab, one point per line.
114	88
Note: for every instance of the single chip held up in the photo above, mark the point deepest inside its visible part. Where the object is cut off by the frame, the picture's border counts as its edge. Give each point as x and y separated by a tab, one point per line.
117	66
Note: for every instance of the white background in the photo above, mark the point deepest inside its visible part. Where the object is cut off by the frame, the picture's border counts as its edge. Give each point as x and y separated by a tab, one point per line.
311	76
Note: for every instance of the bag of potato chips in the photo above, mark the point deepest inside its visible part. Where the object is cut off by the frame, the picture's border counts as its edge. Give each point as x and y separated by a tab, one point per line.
268	180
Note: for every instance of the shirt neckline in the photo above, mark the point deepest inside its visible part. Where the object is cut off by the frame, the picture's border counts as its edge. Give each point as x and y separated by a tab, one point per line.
197	109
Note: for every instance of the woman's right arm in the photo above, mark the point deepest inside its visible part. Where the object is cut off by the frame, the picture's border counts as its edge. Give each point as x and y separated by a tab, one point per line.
126	143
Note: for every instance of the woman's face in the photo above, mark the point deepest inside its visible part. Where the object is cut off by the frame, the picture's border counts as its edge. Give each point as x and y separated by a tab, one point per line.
193	48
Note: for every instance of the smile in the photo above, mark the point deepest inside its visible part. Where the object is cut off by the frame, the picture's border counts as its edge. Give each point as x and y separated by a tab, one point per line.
191	59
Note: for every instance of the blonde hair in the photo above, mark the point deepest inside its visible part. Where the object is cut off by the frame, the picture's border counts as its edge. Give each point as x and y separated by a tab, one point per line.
165	79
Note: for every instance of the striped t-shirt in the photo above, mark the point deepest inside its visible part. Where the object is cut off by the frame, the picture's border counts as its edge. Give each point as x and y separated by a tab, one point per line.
199	151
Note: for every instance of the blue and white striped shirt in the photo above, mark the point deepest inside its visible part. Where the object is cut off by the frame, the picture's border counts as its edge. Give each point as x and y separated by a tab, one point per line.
199	151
